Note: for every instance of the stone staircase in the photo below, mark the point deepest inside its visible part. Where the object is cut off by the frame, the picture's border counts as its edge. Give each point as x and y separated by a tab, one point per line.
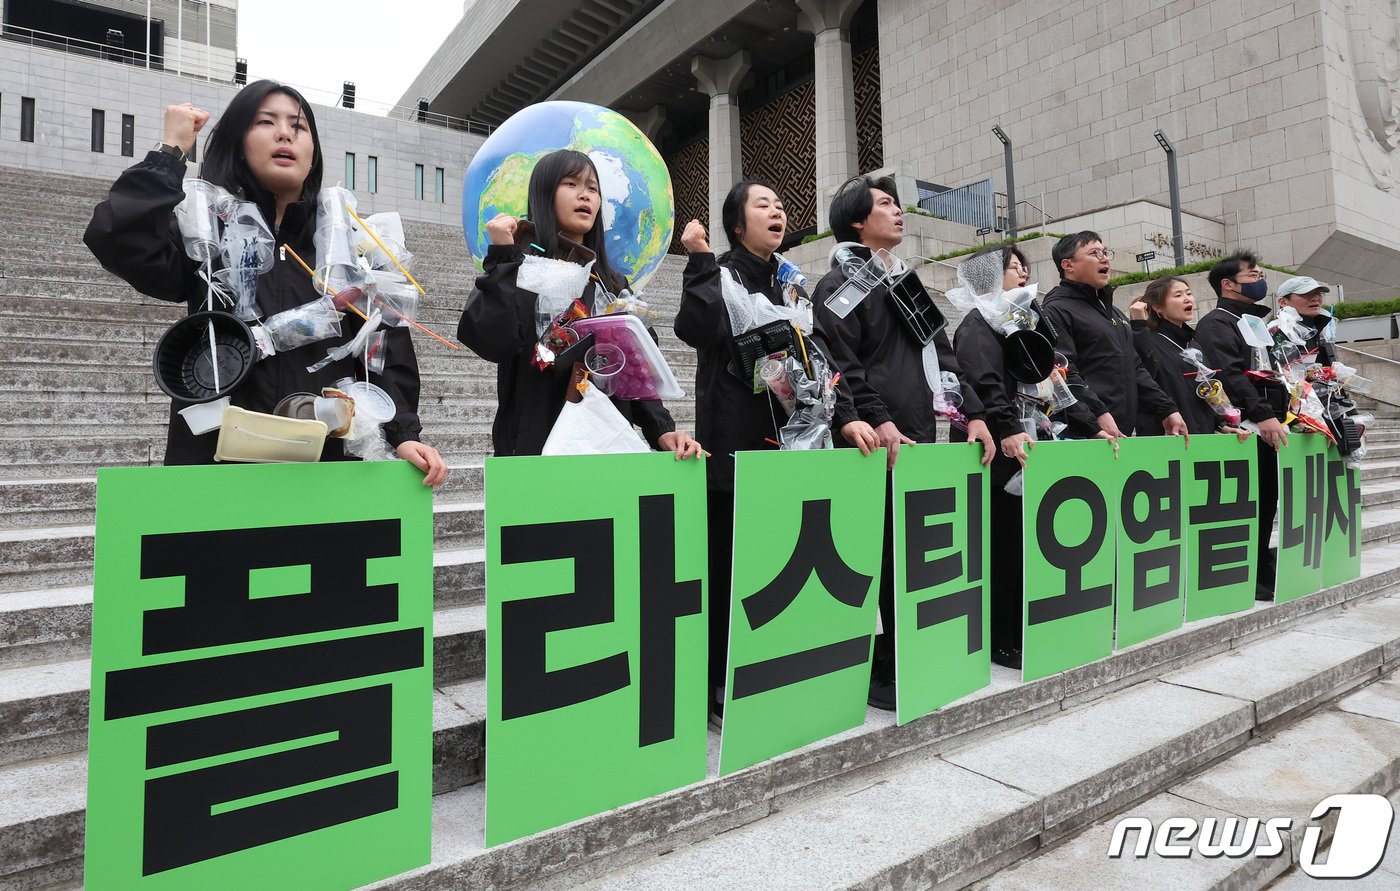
1012	772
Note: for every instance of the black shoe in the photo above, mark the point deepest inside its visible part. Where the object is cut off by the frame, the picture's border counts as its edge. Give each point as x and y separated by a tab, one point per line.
1263	594
717	712
881	695
1009	657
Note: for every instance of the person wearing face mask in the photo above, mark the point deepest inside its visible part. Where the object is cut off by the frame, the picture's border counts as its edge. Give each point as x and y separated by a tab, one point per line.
1096	338
1161	331
1304	294
981	351
1239	285
729	415
882	361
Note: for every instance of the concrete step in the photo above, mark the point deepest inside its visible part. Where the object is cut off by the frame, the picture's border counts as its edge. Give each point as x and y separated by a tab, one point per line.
58	556
1349	746
955	818
983	823
45	797
45	704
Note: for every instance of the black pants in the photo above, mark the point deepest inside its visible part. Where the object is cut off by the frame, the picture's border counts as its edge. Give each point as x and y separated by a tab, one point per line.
1007	572
882	668
1268	509
720	516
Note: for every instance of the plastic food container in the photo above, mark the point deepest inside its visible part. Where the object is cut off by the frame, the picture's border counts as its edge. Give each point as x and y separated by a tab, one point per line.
646	375
259	438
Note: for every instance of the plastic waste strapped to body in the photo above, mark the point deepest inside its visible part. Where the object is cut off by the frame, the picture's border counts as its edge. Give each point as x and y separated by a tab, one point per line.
813	387
863	275
556	285
1210	389
340	270
247	252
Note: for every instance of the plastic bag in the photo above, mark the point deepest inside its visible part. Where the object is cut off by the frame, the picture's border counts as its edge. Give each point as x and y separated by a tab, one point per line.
308	323
556	284
592	426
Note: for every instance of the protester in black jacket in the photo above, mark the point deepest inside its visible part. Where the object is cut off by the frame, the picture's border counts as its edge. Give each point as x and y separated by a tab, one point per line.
1304	294
729	416
265	149
1161	332
981	351
1239	285
1096	338
881	360
498	322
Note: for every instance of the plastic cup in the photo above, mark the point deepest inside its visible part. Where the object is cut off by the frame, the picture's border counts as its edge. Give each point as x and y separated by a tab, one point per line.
184	358
335	412
773	374
604	362
371	403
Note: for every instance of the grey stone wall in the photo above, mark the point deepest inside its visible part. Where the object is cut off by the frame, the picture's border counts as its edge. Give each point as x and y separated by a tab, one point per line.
66	88
1241	86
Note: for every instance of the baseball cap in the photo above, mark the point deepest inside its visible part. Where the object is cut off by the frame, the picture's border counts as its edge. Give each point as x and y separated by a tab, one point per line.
1301	284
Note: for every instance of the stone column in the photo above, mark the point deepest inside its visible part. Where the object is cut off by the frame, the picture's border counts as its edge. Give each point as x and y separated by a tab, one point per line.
830	21
650	121
720	79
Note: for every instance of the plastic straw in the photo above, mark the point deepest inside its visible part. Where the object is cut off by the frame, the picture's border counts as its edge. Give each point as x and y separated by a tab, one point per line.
209	305
386	251
356	310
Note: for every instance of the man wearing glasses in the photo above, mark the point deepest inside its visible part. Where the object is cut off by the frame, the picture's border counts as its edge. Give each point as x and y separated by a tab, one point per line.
1097	339
1239	284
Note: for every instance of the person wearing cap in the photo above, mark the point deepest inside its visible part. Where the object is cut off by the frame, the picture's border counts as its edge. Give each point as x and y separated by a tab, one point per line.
1304	294
881	360
1098	340
1240	288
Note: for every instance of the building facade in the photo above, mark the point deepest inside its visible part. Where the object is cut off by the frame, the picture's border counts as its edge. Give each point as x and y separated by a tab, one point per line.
1282	113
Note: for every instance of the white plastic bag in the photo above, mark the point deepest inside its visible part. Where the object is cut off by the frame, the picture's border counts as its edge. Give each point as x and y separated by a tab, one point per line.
592	426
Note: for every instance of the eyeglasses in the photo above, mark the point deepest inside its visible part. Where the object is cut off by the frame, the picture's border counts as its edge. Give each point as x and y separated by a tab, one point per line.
1252	275
1099	254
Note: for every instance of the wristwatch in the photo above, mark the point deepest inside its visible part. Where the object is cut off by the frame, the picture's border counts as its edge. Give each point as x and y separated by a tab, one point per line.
173	151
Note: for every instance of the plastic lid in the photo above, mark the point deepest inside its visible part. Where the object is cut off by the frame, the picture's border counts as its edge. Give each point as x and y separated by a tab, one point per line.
371	402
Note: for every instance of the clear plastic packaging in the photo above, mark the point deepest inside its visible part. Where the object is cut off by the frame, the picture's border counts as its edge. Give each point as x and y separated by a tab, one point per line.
604	361
197	216
388	227
773	374
309	323
556	284
393	294
247	251
338	265
375	353
355	347
647	376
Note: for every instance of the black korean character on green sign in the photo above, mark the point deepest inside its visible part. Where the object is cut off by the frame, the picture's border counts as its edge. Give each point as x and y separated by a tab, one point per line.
184	820
814	554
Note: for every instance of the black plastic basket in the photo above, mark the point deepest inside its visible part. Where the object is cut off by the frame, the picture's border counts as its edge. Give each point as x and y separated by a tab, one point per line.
748	348
921	316
183	361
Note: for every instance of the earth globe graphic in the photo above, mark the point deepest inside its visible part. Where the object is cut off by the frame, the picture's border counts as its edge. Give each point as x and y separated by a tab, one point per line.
638	207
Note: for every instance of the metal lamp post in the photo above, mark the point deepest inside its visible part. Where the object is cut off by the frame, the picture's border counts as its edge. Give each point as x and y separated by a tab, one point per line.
1000	134
1178	241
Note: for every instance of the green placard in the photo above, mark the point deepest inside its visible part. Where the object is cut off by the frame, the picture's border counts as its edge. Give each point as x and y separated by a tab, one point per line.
1151	540
942	620
1070	515
596	623
1222	514
1302	516
261	710
808	533
1341	547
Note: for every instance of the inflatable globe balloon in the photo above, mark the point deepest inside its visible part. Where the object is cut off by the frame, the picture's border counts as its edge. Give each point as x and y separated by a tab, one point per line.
638	211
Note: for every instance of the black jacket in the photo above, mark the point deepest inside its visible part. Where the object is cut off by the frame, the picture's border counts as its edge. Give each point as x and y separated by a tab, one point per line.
1223	346
730	416
981	352
1096	338
882	362
498	324
134	236
1161	355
